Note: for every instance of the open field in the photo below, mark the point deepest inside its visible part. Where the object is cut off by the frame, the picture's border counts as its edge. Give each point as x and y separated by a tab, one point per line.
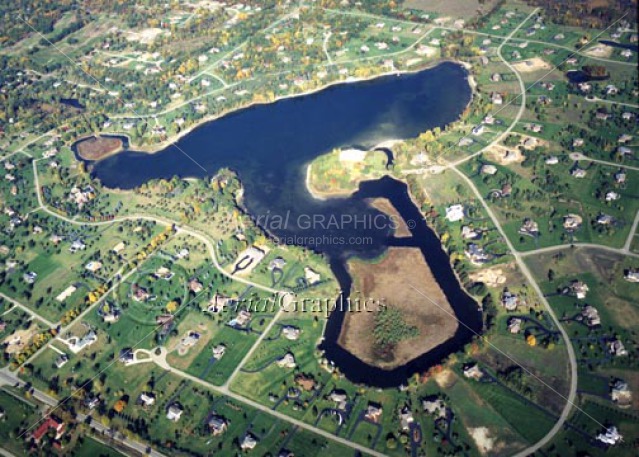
385	282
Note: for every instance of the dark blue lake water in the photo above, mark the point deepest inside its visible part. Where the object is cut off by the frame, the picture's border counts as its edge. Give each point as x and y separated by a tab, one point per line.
269	147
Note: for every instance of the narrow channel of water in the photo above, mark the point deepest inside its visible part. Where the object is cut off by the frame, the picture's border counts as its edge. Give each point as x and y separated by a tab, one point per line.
269	147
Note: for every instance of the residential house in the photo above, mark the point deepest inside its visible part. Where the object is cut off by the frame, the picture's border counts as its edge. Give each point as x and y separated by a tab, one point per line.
455	213
76	246
406	418
195	286
509	300
61	360
579	289
529	227
277	264
311	276
434	406
578	172
287	361
126	356
488	169
373	412
620	393
190	339
50	423
590	316
119	247
611	89
572	221
93	266
514	325
163	273
632	275
605	219
91	401
30	277
611	196
610	437
624	138
469	233
217	425
241	320
139	294
77	344
219	351
473	372
248	442
174	412
339	397
305	382
146	399
616	348
290	333
476	254
218	303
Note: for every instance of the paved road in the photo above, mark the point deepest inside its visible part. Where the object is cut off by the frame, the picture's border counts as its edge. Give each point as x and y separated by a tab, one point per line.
160	220
8	378
248	355
161	362
561	247
475	32
580	156
631	235
572	359
24	308
610	102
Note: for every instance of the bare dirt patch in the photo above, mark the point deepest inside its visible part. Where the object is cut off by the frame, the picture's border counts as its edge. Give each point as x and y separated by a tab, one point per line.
492	277
388	282
600	50
497	276
445	378
146	36
531	65
98	147
18	340
505	155
385	206
456	8
481	435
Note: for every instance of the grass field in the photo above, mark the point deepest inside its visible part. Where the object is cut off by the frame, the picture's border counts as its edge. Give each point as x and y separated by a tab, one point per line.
18	415
89	447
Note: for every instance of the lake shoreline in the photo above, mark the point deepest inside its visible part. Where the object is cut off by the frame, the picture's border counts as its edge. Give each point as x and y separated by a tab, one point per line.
172	140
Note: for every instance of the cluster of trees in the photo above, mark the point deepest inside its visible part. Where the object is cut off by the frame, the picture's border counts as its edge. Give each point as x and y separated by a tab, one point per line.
391	328
585	14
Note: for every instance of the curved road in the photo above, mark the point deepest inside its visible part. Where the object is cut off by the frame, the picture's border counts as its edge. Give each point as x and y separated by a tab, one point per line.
572	393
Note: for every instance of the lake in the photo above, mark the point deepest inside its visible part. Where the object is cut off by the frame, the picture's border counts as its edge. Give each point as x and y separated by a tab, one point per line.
269	146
